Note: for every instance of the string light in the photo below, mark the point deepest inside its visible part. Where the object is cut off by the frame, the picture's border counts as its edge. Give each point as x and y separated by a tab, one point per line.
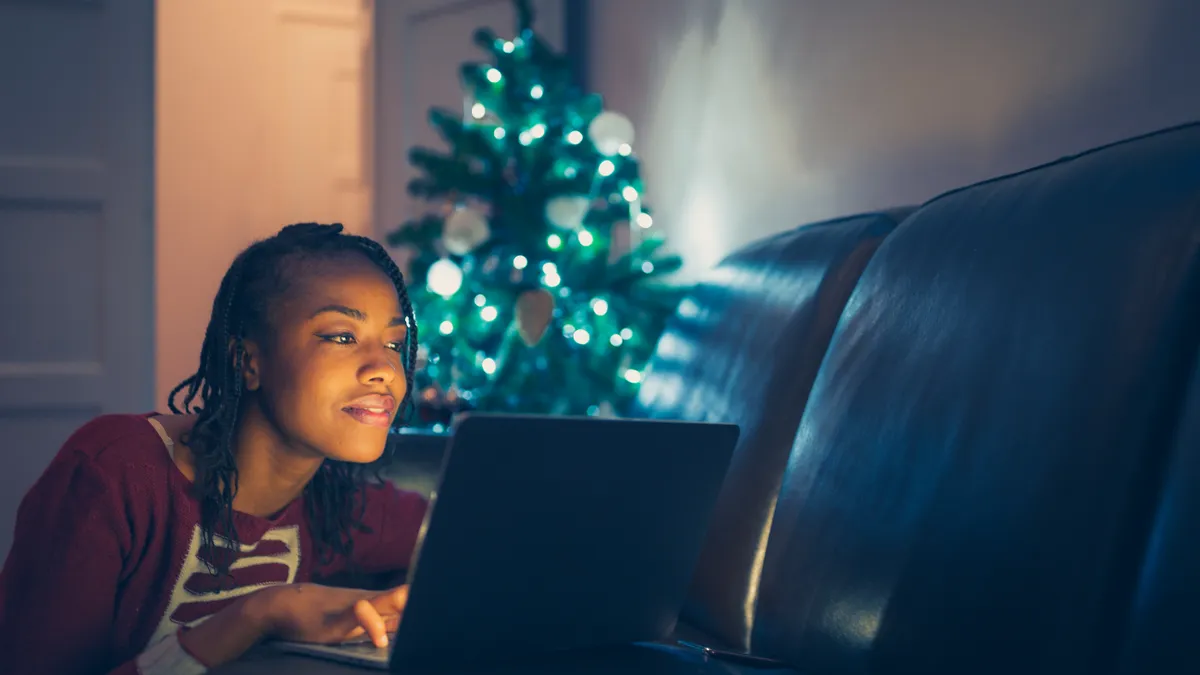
632	376
600	306
607	168
488	366
478	111
536	91
551	279
446	327
494	76
537	130
585	238
554	241
480	301
508	47
488	313
581	337
644	220
575	137
625	150
630	193
519	262
615	340
647	267
499	133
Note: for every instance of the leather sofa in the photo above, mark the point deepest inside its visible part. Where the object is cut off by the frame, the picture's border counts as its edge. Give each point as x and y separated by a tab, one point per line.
970	430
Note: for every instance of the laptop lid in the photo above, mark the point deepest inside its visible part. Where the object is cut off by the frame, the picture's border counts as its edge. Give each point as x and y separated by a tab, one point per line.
553	533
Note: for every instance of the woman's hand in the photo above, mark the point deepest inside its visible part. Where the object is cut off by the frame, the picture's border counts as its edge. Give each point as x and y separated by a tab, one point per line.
324	614
299	612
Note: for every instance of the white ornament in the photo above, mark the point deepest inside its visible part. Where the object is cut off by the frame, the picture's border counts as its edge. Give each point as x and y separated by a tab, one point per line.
464	230
475	113
445	278
609	131
568	211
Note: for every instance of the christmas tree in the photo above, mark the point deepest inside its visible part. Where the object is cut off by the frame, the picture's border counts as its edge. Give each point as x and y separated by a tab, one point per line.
537	274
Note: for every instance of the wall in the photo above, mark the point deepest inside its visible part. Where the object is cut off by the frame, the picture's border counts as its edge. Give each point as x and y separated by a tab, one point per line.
758	115
262	121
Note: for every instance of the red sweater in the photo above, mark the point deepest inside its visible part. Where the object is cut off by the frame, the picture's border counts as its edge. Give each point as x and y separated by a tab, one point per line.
106	553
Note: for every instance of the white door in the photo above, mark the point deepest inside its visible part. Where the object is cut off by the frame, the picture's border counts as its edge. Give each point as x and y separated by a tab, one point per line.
76	229
419	47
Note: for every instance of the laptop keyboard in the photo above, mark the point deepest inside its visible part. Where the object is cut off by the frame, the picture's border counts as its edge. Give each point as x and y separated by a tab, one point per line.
362	649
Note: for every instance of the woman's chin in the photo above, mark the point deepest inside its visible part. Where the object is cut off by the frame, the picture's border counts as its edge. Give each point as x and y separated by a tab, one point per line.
356	456
361	447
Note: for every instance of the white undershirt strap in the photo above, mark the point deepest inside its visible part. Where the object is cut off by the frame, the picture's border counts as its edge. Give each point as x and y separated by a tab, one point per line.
162	433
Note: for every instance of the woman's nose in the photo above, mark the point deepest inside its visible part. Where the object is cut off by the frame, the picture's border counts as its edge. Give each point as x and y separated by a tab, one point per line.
381	366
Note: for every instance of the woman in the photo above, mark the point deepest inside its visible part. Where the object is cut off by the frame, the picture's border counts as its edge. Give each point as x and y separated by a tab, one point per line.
174	543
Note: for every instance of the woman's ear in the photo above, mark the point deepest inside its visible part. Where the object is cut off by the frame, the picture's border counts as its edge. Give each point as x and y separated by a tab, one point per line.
251	363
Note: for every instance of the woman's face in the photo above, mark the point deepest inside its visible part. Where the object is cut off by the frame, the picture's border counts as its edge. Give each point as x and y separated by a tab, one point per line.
330	377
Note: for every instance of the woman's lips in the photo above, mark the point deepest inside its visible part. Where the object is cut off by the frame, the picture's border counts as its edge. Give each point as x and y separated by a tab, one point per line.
373	410
372	417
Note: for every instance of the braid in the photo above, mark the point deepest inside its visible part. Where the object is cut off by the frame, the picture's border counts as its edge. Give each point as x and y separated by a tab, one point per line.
335	498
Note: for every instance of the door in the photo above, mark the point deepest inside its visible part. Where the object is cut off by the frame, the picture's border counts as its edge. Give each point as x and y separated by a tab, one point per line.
76	230
419	46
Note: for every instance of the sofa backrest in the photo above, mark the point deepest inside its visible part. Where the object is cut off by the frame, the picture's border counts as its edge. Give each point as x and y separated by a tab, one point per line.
1162	639
978	465
744	348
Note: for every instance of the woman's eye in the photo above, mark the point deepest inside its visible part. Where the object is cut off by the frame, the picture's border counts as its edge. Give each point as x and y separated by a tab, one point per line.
396	346
340	338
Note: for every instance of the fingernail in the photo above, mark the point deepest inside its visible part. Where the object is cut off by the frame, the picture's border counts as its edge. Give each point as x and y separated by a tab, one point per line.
383	642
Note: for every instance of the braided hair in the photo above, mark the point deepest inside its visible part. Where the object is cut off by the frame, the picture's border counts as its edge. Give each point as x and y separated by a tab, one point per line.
243	309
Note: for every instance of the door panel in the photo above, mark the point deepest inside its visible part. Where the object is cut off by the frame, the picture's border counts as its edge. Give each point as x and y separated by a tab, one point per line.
76	229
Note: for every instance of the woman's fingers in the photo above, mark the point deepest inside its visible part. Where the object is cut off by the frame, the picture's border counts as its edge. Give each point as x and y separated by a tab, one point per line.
392	602
369	619
392	622
376	615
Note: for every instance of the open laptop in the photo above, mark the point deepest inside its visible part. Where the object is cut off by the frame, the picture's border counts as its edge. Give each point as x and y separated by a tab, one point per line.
551	534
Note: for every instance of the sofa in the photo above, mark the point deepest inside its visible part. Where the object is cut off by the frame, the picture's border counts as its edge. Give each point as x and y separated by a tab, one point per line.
970	430
975	453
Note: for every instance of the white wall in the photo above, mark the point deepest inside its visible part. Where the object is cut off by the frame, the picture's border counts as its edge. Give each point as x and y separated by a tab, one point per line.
759	115
262	120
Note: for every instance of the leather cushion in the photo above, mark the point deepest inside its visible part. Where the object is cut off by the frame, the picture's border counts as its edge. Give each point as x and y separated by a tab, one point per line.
1162	635
744	348
973	475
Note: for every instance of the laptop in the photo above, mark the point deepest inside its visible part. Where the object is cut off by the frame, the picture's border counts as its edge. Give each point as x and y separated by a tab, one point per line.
548	534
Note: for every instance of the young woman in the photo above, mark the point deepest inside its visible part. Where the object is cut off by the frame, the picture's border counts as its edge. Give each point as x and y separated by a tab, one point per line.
173	543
